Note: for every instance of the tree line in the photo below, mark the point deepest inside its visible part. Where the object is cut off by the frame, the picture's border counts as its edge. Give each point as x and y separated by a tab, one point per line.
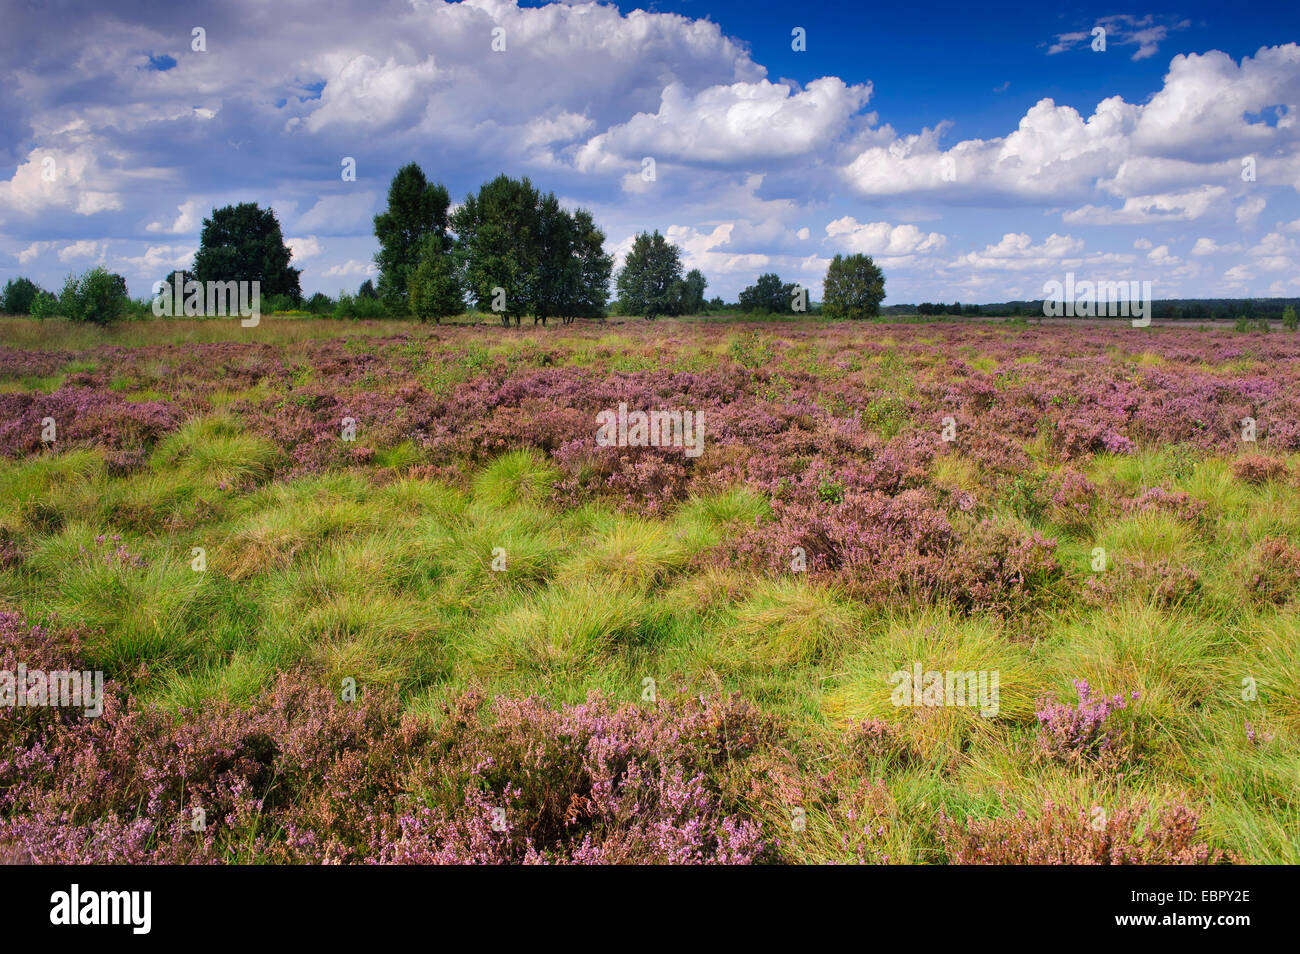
507	249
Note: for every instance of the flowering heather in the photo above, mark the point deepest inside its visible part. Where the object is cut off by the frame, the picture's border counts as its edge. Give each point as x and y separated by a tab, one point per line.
82	416
1255	738
301	776
1087	731
110	553
910	546
1178	504
586	784
451	398
1073	500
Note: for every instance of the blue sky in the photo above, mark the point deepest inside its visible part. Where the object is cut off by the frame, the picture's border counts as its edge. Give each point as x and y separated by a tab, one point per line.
975	152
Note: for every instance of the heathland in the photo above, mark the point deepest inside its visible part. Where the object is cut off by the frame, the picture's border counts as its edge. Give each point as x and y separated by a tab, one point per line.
374	591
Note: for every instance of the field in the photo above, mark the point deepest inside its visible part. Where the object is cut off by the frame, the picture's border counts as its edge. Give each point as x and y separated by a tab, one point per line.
567	652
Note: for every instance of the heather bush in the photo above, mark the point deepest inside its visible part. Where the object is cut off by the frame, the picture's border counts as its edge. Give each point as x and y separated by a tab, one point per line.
864	816
1162	581
1082	435
894	549
1073	500
1177	503
586	784
302	776
1258	469
1089	731
83	416
877	742
1063	835
1273	571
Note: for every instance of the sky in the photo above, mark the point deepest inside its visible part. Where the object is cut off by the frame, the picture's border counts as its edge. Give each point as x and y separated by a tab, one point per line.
976	152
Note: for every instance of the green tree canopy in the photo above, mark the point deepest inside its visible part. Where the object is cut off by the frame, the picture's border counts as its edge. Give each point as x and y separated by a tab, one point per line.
691	298
417	209
243	243
434	287
649	282
498	245
594	268
854	288
557	268
546	261
96	297
177	277
770	295
18	295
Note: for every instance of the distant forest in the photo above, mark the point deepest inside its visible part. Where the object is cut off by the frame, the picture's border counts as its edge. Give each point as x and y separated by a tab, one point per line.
1167	308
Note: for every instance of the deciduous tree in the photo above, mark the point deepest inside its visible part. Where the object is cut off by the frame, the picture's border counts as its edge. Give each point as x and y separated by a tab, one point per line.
243	243
648	281
854	288
417	210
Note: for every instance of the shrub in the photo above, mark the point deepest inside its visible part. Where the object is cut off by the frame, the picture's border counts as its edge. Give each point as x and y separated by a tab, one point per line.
1062	835
320	304
585	784
1274	574
1086	732
1176	503
1167	583
752	350
270	304
1072	499
85	416
875	741
44	305
1289	320
97	297
359	306
302	777
1258	469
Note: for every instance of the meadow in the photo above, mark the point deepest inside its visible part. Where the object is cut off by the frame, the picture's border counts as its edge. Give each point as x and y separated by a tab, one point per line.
564	652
